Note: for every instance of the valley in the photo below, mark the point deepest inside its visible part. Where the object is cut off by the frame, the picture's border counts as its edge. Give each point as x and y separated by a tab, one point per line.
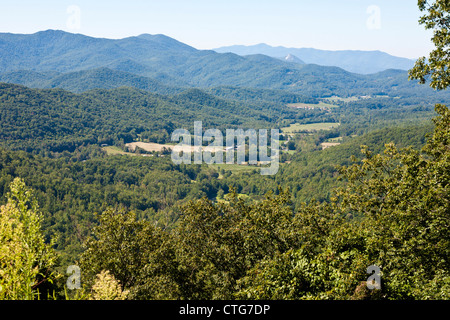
87	151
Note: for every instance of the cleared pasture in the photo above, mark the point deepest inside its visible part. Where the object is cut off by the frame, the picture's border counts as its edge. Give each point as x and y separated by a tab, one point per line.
320	105
310	127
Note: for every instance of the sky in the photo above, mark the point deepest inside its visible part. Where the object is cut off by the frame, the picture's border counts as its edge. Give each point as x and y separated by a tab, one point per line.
386	25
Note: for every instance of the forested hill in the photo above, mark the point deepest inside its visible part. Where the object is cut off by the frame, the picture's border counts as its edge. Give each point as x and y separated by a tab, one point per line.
161	64
70	191
80	81
55	120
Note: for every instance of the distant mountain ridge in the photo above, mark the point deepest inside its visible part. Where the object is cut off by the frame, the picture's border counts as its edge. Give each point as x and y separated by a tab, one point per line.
357	61
291	58
160	64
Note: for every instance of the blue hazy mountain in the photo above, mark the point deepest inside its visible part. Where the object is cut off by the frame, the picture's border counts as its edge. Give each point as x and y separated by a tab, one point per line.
291	58
363	62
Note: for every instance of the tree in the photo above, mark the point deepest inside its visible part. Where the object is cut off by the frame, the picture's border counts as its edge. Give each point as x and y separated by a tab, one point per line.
402	199
106	287
437	65
393	212
134	252
218	243
396	207
291	145
26	260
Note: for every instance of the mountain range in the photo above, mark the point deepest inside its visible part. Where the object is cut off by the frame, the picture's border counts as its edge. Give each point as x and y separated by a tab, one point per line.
160	64
357	61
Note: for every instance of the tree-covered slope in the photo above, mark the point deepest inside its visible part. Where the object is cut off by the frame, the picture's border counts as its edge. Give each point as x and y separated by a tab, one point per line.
167	62
80	81
58	120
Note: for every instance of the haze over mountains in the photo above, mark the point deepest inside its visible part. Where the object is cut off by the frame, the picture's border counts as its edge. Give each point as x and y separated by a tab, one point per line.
363	62
160	64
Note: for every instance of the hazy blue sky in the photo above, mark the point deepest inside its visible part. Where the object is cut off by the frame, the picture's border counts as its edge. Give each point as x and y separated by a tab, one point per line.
386	25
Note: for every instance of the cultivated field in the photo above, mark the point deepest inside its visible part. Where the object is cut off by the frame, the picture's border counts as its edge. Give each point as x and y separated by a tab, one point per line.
113	150
329	144
151	146
310	127
335	99
148	146
234	168
320	105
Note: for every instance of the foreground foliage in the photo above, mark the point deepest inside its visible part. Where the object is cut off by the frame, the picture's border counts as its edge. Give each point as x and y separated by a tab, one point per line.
393	212
26	261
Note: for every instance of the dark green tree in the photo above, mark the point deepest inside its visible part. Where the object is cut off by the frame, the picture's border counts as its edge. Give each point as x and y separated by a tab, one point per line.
134	252
436	66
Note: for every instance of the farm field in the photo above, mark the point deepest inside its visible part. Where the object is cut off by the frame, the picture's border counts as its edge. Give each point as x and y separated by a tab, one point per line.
157	147
148	146
336	98
336	139
310	127
234	168
320	105
329	144
113	150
